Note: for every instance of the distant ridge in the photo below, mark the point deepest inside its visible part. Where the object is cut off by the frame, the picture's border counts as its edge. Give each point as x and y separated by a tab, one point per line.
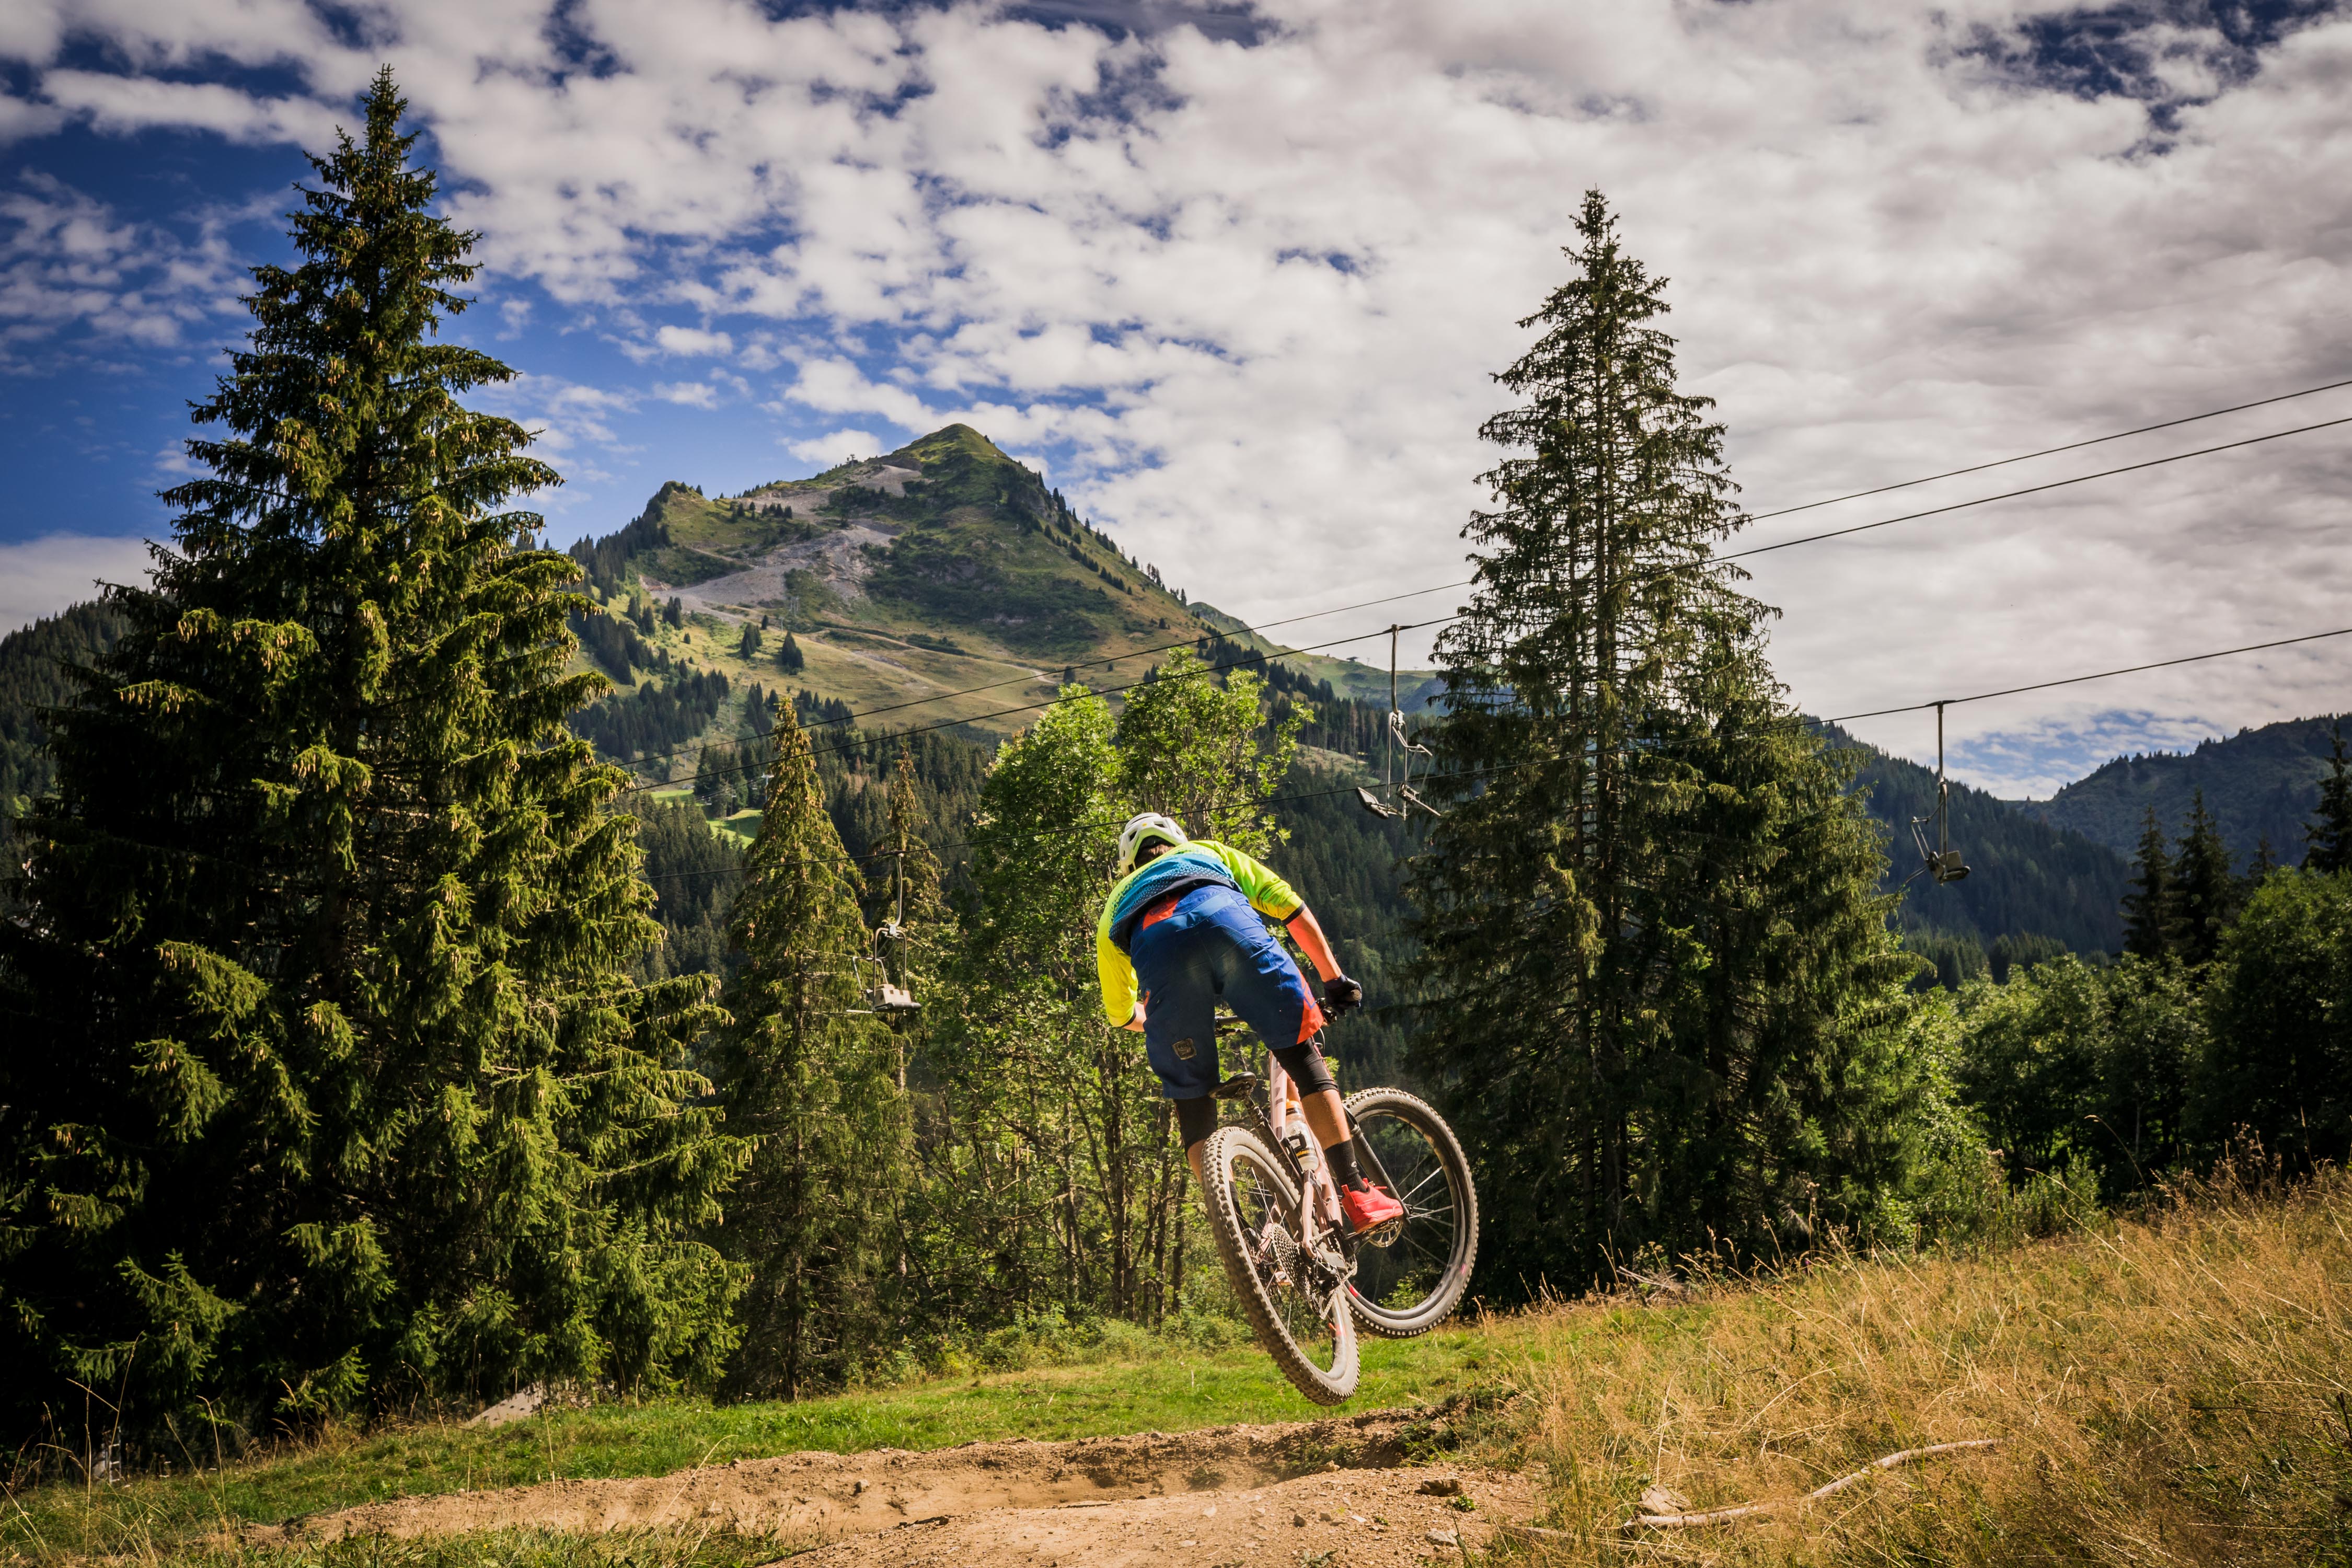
2259	783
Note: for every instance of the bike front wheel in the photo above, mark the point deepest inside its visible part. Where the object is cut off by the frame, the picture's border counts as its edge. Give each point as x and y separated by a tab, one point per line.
1293	1297
1411	1283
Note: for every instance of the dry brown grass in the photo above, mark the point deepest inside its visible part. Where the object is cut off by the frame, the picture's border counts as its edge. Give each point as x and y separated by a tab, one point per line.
2174	1388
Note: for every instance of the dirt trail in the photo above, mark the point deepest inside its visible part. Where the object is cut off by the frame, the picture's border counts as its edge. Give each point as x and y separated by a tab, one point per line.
1224	1496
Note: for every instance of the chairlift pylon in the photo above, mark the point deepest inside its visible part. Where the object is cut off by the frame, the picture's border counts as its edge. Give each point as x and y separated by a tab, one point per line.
1943	862
1397	752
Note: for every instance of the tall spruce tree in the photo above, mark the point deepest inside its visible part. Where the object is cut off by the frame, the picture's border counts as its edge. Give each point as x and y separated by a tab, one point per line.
2328	839
808	1070
1658	988
325	1087
2205	891
2151	913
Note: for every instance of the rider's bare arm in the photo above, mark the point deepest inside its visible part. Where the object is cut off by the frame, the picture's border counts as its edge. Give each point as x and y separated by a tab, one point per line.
1313	942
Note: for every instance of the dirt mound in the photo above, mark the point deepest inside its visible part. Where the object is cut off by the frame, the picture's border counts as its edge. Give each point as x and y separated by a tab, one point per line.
1314	1487
1353	1519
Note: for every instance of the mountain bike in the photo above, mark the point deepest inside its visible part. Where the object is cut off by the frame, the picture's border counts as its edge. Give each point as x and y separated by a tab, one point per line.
1306	1284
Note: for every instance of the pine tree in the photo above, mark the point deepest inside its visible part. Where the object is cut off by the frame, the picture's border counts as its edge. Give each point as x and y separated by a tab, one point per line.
2205	891
2151	917
789	657
323	1060
807	1070
2329	838
747	646
1648	935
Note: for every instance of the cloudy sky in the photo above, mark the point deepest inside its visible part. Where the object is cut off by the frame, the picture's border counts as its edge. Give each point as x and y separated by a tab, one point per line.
1236	277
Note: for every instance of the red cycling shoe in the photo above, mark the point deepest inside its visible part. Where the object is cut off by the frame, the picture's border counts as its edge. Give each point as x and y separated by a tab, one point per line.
1369	1208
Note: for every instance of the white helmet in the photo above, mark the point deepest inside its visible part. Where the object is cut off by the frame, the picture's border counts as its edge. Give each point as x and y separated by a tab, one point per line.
1140	830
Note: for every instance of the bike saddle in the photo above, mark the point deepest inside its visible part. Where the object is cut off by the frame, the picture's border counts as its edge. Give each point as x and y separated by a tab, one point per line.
1237	1087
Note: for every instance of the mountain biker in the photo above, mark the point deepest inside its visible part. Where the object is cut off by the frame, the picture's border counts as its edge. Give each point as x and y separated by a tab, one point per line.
1182	930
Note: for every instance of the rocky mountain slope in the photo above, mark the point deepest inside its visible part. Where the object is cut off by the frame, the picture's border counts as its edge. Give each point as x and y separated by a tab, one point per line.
912	578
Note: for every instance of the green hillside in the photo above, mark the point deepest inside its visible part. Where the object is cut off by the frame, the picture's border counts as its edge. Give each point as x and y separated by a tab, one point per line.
2260	784
33	663
2033	888
1348	677
904	582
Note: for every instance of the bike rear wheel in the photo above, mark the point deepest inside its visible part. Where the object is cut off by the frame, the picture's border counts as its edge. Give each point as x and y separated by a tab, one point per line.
1413	1283
1293	1298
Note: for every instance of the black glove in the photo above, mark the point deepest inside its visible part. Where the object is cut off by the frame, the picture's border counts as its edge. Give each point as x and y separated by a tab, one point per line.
1339	995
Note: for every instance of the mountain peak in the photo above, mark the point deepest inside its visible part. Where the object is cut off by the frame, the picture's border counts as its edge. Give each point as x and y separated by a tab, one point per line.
953	440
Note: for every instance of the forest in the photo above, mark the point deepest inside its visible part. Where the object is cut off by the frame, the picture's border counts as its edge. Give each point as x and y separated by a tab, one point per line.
398	1046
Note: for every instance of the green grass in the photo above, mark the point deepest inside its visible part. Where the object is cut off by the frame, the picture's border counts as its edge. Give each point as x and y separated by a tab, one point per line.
1154	1385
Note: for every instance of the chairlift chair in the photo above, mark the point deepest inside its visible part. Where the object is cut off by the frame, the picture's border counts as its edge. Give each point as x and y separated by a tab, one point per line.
896	1003
1397	752
1943	862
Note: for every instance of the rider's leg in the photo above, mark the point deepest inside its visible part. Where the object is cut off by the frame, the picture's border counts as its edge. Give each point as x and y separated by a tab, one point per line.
1195	1120
1328	1119
1265	987
1175	964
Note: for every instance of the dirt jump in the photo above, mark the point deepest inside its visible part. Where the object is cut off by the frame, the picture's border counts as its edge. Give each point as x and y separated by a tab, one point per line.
1335	1493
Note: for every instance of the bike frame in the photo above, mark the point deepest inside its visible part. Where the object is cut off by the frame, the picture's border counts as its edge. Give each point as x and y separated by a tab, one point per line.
1318	1194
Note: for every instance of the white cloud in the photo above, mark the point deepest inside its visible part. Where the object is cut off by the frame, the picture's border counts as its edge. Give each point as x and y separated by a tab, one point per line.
116	104
43	576
688	394
69	260
689	340
19	119
1249	299
840	446
837	386
575	427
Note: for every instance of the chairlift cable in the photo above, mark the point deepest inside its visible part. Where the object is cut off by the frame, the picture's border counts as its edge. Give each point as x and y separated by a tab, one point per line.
2027	491
1048	703
2100	675
2053	451
1514	767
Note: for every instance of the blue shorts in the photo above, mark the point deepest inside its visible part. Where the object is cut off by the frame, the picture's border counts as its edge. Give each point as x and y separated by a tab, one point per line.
1213	946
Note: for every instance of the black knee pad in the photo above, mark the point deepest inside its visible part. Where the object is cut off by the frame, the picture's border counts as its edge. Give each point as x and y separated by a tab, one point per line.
1195	1119
1305	1064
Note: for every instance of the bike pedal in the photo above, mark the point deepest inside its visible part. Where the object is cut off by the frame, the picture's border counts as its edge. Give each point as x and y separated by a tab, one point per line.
1382	1233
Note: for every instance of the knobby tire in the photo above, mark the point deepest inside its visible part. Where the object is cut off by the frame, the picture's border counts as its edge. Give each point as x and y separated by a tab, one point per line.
1440	1233
1234	1159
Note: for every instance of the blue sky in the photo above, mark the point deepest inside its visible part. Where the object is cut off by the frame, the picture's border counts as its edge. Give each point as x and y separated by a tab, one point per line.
1237	275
